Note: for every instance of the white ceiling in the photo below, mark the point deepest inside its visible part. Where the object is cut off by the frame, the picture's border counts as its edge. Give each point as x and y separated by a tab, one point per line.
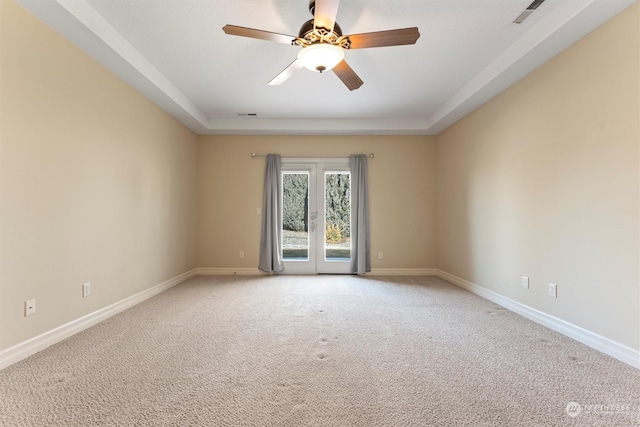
176	54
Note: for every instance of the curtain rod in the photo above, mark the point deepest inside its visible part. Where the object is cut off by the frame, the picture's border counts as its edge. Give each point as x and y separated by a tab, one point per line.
311	157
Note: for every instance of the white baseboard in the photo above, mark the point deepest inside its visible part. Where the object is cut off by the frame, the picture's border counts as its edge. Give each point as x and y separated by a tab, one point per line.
403	272
374	272
605	345
31	346
229	272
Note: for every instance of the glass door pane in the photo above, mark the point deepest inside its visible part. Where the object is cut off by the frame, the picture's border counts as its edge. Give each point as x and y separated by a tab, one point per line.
295	216
337	214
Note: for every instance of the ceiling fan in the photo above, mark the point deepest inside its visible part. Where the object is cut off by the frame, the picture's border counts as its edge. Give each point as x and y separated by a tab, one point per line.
323	44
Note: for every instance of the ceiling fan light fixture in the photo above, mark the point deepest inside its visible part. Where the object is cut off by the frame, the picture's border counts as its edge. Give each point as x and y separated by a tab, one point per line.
321	57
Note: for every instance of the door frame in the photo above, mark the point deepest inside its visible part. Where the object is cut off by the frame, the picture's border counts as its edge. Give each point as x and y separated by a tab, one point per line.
316	167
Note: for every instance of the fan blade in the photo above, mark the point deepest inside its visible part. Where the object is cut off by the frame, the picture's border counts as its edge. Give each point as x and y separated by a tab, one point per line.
347	75
325	13
286	73
384	38
234	30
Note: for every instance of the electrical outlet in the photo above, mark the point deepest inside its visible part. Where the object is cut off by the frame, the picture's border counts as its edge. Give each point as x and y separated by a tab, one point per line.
553	290
525	282
379	255
29	307
86	289
241	254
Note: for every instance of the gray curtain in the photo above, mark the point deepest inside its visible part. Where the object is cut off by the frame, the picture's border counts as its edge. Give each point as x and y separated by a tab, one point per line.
271	234
360	246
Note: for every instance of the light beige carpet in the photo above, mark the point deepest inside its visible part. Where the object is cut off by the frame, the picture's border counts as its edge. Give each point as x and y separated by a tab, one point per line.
319	351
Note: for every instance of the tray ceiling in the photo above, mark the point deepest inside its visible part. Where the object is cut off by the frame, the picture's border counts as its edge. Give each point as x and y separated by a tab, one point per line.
176	54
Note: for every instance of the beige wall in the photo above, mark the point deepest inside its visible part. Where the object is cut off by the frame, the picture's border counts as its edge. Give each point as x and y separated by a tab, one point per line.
543	181
402	193
97	184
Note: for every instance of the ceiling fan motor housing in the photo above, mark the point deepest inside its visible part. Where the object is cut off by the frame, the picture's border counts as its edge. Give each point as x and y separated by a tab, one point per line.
310	35
308	27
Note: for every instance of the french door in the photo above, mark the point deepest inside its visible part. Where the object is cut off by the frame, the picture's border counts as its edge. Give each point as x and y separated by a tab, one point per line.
316	216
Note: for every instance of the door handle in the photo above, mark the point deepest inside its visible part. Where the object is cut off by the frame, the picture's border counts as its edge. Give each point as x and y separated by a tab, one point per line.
313	216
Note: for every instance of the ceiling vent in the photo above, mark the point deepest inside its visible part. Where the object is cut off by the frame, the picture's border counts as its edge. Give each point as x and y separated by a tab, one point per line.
528	11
